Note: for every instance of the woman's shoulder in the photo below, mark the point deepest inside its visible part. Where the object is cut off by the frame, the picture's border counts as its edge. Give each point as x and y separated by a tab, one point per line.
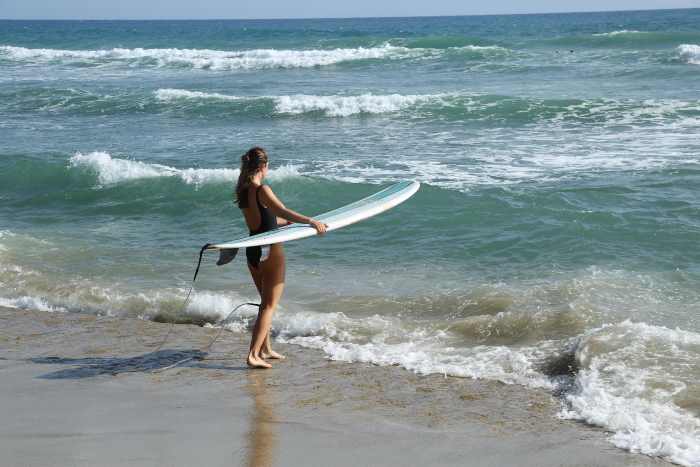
265	189
265	194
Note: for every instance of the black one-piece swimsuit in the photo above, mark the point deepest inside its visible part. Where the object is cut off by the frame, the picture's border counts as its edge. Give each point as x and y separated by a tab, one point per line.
268	221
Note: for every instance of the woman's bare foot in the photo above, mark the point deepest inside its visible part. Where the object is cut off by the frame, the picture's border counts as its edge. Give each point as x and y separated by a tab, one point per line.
272	354
256	362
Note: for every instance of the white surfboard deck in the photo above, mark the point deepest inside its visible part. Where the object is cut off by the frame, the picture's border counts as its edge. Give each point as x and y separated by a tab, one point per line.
349	214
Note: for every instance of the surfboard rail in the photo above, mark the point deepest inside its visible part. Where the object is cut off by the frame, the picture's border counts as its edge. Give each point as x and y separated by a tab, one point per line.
343	216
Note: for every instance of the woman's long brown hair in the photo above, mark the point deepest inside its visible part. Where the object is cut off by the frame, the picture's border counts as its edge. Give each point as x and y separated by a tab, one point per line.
251	162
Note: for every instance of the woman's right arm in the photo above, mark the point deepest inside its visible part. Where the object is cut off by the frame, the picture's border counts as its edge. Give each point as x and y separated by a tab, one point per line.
278	209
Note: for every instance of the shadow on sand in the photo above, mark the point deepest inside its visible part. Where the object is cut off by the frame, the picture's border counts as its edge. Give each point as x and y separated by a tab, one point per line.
89	367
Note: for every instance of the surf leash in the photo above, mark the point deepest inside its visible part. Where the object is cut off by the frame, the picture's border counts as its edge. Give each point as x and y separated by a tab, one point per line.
207	347
226	256
187	298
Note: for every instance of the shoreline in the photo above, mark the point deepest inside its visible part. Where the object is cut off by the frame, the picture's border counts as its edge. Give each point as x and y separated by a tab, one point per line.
81	390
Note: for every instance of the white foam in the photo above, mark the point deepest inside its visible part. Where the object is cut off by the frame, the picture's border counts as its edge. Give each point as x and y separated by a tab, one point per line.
222	306
110	170
488	48
504	364
631	376
628	112
690	53
618	33
183	94
342	106
37	292
213	59
332	106
384	341
428	171
510	167
30	303
547	154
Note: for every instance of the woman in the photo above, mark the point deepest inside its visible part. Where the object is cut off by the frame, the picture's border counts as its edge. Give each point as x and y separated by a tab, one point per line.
263	212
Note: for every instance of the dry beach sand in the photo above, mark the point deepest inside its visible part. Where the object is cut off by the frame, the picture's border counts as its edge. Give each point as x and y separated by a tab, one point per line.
83	390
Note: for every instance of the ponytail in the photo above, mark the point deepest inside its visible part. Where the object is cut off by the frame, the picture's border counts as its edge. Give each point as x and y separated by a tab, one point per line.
251	162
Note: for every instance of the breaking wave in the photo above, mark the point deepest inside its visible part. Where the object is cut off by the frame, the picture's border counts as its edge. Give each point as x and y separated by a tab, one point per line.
110	170
618	33
459	105
626	38
343	106
451	105
332	106
208	59
690	53
639	381
176	94
254	59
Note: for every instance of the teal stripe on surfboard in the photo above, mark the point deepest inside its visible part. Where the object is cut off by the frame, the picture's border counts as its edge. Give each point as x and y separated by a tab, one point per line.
346	215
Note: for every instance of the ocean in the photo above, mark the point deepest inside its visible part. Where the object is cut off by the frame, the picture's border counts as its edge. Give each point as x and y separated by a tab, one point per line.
553	244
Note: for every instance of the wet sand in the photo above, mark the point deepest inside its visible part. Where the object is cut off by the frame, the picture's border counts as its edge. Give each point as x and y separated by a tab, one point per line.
83	390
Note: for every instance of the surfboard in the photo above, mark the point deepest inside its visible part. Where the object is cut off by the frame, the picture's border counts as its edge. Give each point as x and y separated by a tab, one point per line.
346	215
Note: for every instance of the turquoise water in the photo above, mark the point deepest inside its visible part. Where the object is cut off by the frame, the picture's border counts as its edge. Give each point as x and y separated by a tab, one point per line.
553	242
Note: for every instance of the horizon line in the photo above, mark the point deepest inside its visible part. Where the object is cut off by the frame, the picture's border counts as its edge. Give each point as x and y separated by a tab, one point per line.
301	18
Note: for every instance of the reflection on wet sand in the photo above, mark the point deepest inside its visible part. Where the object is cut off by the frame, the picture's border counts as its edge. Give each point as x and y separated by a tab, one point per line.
261	434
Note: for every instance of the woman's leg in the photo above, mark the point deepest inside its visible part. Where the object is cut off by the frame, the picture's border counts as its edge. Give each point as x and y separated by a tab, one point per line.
267	351
272	284
256	274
